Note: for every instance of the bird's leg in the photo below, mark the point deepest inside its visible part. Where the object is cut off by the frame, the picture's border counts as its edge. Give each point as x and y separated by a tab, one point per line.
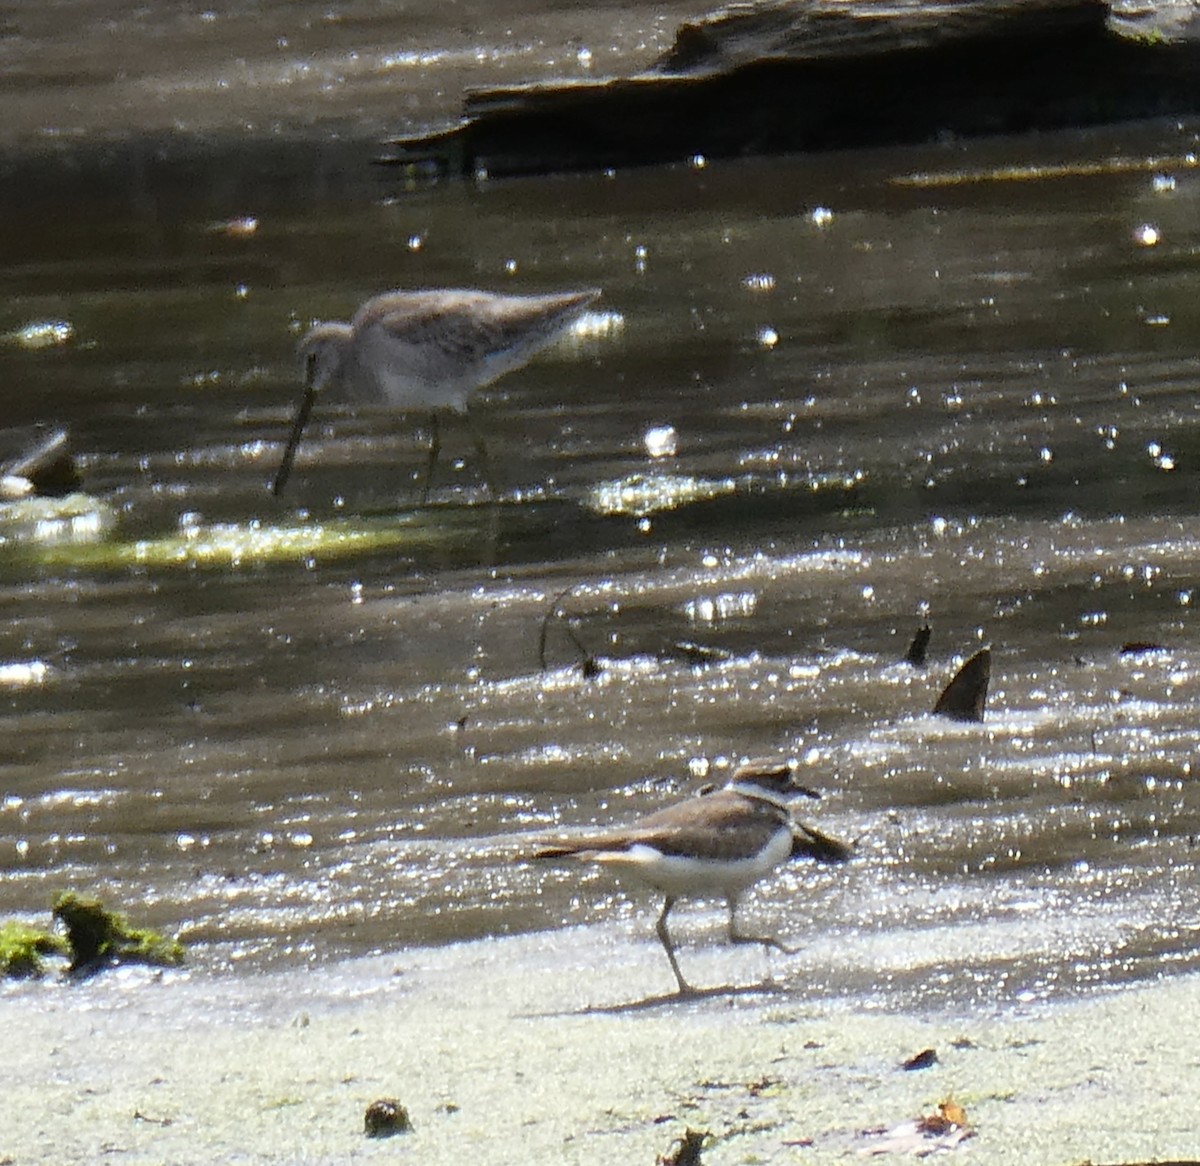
685	989
485	472
435	448
481	455
293	441
736	936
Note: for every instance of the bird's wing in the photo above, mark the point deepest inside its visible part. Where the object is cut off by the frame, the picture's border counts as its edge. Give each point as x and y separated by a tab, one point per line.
724	825
477	322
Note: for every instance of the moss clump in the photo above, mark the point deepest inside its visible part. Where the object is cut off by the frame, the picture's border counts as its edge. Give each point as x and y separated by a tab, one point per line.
99	938
22	948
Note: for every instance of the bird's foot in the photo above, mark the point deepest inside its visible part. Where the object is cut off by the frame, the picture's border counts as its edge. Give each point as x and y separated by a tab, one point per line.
764	941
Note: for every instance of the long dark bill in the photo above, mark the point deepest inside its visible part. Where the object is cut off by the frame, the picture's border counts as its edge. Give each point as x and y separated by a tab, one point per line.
289	453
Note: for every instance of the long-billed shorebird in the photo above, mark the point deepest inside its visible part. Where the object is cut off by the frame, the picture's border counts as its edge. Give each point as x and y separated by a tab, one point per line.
426	351
716	845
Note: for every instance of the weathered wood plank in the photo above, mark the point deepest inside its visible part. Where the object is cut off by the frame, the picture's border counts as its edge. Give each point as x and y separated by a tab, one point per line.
805	75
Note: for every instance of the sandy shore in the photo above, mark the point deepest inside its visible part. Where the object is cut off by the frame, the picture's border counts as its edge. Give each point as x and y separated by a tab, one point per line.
506	1051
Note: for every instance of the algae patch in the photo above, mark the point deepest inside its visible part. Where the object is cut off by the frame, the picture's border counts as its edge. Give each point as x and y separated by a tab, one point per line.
78	520
99	938
23	948
242	544
96	938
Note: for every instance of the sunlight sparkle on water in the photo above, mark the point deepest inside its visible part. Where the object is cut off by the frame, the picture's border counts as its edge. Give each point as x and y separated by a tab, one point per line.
41	334
661	441
711	609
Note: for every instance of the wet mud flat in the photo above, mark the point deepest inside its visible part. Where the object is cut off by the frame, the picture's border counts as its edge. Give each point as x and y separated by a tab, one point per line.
555	1048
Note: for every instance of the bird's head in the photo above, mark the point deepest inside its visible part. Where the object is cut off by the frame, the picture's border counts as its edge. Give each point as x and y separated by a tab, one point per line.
770	776
323	352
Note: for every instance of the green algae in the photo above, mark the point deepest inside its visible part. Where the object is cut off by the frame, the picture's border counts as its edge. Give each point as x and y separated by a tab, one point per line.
100	938
77	520
242	544
23	949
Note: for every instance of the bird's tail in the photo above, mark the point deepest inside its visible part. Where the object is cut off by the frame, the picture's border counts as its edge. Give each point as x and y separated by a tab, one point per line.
808	842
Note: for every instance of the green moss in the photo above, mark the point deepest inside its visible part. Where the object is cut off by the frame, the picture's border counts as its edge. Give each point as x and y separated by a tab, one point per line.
22	948
98	937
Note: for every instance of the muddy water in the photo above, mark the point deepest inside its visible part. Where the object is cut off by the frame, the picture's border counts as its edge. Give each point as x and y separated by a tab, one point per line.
953	383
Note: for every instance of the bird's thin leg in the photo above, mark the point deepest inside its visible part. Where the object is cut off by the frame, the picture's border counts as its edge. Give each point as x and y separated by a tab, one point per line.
685	989
435	448
736	936
482	459
293	442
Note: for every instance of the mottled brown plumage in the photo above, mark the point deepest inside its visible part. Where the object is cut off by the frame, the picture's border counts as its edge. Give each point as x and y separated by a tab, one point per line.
732	827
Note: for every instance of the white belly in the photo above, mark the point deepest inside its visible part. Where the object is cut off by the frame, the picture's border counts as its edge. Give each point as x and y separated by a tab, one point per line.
699	878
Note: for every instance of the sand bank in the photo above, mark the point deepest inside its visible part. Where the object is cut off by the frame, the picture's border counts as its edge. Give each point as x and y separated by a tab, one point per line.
505	1052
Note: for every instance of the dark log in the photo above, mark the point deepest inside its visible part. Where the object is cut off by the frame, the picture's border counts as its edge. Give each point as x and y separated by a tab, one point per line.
804	75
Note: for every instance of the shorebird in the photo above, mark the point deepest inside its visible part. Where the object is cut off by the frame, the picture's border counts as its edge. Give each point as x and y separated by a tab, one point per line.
426	351
716	845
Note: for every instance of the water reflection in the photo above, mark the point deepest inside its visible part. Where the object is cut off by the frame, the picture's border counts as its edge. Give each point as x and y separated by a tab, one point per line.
321	726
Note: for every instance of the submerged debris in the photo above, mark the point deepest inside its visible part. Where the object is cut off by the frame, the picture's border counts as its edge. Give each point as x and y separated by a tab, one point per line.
99	938
964	698
695	655
686	1150
918	650
40	464
386	1117
1138	647
22	948
589	668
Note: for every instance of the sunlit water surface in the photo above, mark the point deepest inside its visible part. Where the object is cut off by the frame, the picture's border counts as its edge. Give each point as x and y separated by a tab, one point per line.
821	401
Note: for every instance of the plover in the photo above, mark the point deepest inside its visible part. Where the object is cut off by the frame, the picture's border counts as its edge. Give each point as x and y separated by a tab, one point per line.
716	845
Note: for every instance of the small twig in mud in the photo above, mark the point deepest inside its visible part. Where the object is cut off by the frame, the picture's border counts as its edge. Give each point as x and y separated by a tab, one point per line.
588	666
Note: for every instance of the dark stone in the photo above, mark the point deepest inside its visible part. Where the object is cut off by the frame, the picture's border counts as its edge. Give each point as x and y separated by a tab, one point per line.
386	1117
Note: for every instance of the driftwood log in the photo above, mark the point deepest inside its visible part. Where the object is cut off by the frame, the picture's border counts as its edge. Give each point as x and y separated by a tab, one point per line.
801	75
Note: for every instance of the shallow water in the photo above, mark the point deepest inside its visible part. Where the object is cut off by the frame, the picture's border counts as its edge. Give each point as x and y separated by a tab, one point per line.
952	383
